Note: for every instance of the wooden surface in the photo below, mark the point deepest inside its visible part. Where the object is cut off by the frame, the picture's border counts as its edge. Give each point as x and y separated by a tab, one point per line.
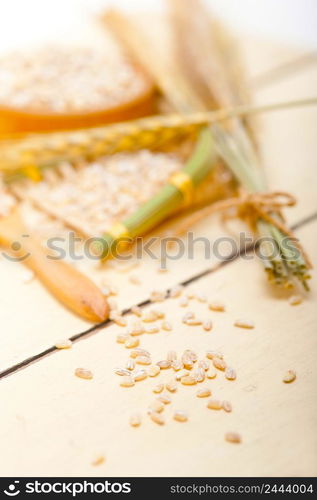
56	424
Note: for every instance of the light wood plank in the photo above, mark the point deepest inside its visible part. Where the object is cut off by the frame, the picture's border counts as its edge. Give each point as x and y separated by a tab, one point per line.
33	321
55	424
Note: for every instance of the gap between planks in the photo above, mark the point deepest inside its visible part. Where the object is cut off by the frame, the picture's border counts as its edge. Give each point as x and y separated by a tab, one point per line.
95	328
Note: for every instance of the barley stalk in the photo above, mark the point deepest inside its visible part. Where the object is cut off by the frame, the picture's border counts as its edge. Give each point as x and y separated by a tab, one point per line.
208	56
21	154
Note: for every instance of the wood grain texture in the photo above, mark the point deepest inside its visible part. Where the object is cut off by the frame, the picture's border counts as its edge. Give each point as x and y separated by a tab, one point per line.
289	153
55	424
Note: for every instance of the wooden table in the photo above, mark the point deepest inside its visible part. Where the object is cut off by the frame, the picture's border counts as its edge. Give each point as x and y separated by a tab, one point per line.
53	423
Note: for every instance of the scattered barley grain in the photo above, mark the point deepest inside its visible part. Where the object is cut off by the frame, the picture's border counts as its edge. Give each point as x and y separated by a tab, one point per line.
127	382
131	342
289	377
153	370
157	418
214	404
226	405
135	420
83	373
233	437
180	416
63	344
230	374
188	380
203	393
244	323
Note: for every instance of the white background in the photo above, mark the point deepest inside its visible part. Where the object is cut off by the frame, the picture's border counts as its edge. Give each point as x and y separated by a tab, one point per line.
29	22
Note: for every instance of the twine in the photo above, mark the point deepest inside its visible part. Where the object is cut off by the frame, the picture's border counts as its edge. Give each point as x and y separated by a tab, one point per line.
251	207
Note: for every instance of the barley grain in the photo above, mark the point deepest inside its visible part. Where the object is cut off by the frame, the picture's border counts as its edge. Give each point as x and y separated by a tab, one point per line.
98	460
149	316
158	388
204	364
139	352
143	360
140	375
220	364
177	365
214	404
193	322
295	300
244	323
203	393
112	304
137	311
127	382
131	342
164	398
214	354
157	295
188	380
157	418
201	297
230	374
151	329
135	420
183	302
162	269
207	325
187	363
123	372
105	290
158	313
63	344
199	375
180	416
226	405
211	373
167	326
120	321
136	328
187	316
289	376
114	314
164	364
176	291
171	386
181	374
83	373
27	275
130	364
233	437
108	290
216	306
55	79
156	406
153	370
121	338
134	279
191	354
171	356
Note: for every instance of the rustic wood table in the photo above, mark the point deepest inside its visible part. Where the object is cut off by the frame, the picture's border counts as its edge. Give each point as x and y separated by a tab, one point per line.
53	423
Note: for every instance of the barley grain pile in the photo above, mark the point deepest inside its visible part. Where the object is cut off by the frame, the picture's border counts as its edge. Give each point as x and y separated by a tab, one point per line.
68	79
95	195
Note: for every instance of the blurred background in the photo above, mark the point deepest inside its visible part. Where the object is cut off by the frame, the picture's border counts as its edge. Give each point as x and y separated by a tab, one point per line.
29	22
